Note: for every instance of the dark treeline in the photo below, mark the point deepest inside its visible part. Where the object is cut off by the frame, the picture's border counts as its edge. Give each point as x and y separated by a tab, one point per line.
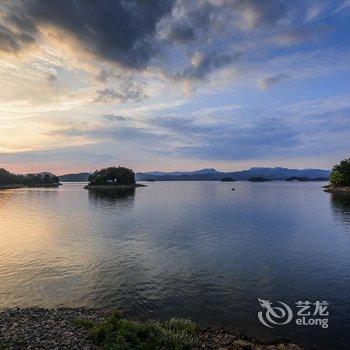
7	178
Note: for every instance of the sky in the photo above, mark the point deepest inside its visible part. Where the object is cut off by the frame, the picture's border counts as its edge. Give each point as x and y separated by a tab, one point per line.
173	85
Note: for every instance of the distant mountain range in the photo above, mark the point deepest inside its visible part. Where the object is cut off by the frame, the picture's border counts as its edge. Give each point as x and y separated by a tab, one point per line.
277	173
211	174
80	177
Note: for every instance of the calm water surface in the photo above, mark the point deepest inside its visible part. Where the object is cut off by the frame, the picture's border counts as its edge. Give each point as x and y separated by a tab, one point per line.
193	249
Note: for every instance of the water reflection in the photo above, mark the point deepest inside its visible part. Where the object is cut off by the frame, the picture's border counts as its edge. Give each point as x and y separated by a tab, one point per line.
193	250
340	204
4	197
112	195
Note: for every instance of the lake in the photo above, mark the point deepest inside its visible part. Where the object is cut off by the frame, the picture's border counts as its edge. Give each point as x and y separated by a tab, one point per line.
189	249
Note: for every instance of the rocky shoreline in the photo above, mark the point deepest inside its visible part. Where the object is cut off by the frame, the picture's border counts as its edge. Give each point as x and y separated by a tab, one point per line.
15	186
10	187
337	189
37	328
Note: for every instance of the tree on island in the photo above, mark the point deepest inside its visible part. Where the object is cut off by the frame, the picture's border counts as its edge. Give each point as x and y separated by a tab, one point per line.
40	179
7	178
112	176
340	175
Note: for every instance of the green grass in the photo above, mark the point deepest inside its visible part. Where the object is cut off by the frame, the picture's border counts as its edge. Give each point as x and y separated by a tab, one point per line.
83	323
118	333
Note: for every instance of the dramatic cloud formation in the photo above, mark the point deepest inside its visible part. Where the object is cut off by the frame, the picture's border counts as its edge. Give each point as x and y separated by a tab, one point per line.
227	83
119	31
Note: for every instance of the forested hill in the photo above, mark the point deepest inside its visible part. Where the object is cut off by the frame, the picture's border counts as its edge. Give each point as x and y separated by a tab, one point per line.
80	177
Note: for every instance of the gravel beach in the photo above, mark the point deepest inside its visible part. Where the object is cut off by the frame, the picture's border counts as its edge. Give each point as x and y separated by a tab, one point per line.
37	328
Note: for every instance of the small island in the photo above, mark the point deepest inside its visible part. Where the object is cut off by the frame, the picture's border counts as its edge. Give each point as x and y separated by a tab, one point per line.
227	179
11	181
340	178
304	179
113	178
258	179
297	179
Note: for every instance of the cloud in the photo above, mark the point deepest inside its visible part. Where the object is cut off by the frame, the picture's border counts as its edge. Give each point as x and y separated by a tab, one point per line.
128	90
296	130
267	82
80	155
114	118
102	131
136	135
255	13
204	64
231	141
343	6
16	29
51	77
180	125
181	33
